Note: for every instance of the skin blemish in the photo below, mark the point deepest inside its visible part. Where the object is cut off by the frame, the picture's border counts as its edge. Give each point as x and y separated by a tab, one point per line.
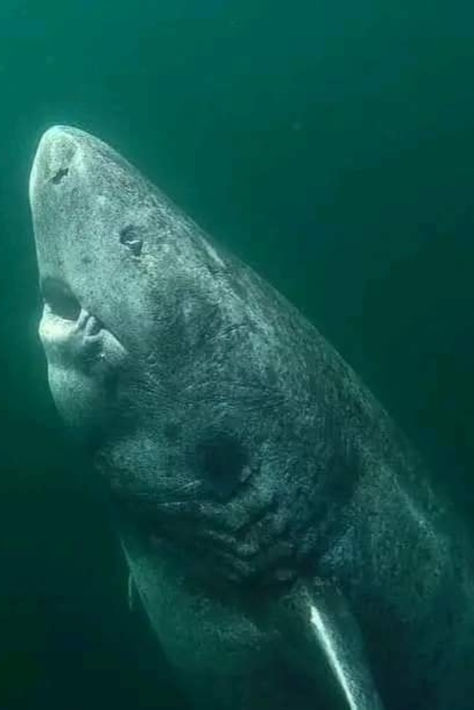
171	431
129	238
221	460
59	175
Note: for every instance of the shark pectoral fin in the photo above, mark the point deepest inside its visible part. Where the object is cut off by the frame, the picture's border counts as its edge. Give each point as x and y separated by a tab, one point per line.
322	636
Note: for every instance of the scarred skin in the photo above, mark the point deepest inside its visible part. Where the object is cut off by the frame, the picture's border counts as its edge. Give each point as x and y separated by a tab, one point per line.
255	479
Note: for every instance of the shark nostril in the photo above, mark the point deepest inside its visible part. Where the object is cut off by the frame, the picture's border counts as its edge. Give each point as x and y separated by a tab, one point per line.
60	299
59	175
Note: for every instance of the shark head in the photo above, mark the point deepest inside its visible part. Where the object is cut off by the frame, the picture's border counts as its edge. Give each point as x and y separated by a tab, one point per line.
112	253
196	386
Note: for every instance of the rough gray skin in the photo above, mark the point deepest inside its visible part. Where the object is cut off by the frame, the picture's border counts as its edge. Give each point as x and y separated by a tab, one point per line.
278	529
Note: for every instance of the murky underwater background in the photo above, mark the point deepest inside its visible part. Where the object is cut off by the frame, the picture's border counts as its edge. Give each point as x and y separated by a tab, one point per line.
330	144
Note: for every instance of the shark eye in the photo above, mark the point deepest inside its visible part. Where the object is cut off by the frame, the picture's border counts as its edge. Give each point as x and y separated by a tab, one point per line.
60	299
130	237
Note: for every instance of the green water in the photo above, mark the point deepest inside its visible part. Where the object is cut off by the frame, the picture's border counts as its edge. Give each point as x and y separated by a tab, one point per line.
328	144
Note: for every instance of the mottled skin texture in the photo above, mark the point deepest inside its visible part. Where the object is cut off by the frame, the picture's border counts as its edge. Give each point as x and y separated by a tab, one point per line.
247	464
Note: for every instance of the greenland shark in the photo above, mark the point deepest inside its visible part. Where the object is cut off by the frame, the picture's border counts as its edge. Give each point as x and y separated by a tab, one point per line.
282	535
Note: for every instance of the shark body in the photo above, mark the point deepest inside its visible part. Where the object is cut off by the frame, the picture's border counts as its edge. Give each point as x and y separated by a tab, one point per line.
280	532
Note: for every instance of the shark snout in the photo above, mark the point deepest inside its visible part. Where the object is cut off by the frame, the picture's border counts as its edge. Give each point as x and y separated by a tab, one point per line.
54	157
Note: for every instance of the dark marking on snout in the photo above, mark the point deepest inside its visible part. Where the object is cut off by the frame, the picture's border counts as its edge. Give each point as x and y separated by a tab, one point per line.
59	175
222	462
129	237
